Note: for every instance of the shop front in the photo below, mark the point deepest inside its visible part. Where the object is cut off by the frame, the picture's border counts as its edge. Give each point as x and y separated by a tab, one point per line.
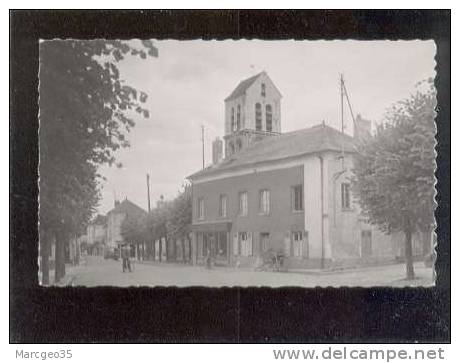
212	239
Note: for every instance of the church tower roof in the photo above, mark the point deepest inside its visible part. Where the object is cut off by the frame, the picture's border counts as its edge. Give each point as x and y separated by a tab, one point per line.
242	87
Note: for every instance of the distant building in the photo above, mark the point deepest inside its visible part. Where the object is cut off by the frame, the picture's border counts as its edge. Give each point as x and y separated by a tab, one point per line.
285	192
115	218
96	235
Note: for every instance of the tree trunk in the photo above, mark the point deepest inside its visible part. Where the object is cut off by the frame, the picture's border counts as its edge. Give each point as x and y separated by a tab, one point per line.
174	243
427	237
45	258
410	275
59	263
182	245
77	251
167	249
189	249
160	248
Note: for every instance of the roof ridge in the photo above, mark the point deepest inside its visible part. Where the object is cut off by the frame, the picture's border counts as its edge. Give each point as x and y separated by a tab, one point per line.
243	86
313	139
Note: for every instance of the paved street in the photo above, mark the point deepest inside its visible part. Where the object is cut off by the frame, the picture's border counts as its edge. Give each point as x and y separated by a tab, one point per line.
100	272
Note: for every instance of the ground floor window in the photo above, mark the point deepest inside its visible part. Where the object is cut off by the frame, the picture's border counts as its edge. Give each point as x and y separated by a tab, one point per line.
213	243
299	244
245	243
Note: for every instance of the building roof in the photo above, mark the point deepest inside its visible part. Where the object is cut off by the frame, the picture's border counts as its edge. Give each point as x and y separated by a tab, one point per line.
242	87
291	144
128	207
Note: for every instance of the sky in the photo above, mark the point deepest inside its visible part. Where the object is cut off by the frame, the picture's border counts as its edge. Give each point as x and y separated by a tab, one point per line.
188	82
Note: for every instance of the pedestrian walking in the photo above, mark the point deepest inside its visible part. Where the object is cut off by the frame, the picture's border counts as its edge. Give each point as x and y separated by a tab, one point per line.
208	260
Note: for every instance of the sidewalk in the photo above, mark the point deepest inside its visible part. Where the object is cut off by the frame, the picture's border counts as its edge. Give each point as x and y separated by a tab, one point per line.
70	274
162	263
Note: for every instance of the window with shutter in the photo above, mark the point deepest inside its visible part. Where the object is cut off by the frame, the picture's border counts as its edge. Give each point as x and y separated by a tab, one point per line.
223	206
200	208
264	201
297	198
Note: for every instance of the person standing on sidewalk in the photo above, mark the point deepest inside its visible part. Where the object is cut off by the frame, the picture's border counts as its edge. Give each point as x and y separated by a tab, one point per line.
125	258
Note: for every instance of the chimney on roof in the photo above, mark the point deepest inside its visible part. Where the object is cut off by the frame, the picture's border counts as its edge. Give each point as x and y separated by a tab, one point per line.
117	202
217	150
362	128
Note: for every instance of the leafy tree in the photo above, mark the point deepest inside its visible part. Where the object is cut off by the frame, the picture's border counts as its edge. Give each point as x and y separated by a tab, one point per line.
86	110
180	218
156	224
133	230
394	170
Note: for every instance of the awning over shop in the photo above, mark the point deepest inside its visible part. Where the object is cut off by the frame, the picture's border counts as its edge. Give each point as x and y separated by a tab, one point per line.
217	226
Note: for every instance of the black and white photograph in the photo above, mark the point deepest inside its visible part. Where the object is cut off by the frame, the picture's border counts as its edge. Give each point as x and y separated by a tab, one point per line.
237	163
259	178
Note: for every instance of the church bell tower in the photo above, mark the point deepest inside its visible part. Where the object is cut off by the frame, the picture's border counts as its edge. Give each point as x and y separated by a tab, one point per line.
252	112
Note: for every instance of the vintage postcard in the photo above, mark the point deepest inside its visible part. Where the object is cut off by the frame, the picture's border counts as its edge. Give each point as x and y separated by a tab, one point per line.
237	163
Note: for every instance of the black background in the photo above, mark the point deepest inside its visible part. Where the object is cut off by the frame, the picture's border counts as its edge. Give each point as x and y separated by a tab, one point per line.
225	315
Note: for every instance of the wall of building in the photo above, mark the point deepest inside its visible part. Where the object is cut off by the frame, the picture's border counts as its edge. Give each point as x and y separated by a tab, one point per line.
279	222
114	221
347	224
96	233
317	233
334	238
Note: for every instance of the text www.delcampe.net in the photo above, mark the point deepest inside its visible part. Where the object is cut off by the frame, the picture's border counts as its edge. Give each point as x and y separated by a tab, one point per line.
358	354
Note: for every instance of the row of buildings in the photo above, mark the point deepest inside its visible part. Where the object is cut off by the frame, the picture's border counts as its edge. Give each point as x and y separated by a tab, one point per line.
286	192
103	234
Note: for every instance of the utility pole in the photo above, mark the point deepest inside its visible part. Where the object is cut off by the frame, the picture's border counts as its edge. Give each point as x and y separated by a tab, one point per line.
202	141
345	93
341	102
148	191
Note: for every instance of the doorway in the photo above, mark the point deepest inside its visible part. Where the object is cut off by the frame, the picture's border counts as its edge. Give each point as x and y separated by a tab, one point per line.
264	242
217	245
